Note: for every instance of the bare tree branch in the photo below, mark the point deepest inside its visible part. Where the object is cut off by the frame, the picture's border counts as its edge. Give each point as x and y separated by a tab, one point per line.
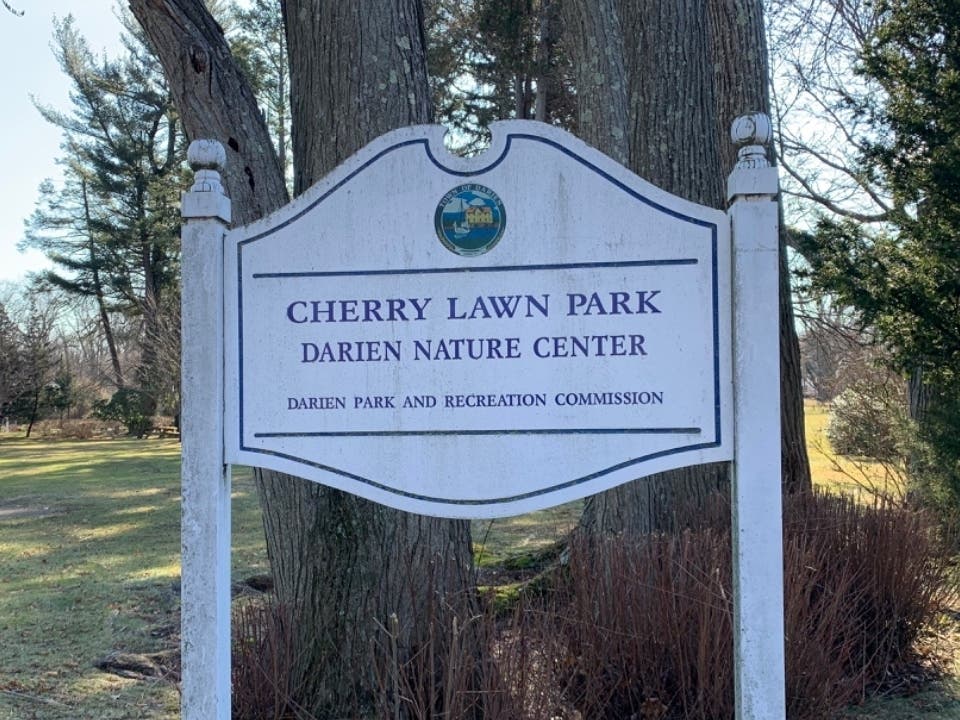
11	9
819	103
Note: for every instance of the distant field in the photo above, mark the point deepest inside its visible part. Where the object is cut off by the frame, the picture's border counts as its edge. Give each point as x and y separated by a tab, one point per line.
841	474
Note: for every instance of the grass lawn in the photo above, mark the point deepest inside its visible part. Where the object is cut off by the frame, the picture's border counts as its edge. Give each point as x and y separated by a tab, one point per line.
89	541
90	548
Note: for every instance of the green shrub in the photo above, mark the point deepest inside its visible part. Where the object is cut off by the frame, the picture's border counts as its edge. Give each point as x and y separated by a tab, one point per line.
127	406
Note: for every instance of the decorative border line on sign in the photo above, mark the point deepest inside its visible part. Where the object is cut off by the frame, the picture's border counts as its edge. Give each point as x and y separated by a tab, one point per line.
712	227
475	270
488	501
557	431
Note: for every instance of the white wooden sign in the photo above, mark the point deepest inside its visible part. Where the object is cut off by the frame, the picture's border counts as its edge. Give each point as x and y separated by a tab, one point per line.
479	337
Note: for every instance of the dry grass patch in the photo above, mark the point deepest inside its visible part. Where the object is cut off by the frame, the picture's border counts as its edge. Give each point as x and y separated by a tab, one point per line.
860	477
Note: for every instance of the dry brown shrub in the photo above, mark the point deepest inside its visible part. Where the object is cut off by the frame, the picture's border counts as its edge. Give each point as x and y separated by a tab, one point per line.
641	627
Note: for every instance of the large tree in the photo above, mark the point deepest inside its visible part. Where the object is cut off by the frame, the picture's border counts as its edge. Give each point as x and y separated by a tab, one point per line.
659	84
357	70
110	228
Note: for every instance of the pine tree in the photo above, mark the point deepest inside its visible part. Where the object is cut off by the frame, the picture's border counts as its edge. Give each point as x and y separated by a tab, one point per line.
259	44
11	362
495	60
904	280
111	229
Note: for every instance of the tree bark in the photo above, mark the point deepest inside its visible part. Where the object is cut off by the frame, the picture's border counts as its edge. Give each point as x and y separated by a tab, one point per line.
742	83
547	80
357	70
672	98
688	67
596	38
918	396
215	100
341	564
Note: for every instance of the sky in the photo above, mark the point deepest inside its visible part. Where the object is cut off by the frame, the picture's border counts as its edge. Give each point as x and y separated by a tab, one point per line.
29	145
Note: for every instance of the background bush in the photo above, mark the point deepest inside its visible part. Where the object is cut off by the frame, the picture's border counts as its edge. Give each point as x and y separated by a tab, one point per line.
870	419
127	406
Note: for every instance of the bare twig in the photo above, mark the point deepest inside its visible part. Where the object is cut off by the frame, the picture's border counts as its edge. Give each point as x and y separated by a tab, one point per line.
25	696
13	10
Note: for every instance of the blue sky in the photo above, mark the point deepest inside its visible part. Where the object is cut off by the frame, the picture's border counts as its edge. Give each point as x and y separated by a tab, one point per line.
28	145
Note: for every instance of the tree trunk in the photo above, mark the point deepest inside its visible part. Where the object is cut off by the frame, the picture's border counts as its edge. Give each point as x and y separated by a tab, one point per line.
918	396
98	292
215	100
34	411
688	67
357	70
547	81
596	42
147	374
741	69
342	564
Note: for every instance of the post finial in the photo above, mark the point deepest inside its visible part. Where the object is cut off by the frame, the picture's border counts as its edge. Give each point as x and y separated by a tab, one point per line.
206	198
208	159
754	131
752	175
206	155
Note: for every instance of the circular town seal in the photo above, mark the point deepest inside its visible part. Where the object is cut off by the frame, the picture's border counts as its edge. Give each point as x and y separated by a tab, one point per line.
470	219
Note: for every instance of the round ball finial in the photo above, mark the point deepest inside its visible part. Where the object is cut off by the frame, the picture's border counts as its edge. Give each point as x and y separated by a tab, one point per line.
206	155
752	129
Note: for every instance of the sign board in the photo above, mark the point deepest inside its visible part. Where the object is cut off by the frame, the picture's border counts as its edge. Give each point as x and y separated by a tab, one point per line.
478	337
482	337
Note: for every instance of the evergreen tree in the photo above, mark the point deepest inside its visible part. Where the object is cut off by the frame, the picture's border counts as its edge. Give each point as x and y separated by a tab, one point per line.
905	280
497	59
11	362
39	362
34	355
112	229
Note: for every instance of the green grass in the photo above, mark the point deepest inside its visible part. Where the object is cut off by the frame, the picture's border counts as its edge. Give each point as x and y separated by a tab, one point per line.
90	541
939	703
515	540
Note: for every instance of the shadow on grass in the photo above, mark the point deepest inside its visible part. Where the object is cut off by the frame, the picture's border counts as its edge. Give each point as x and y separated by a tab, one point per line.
96	572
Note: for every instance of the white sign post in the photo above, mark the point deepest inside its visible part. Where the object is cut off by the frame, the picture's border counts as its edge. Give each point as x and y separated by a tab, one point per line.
757	516
205	533
481	337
